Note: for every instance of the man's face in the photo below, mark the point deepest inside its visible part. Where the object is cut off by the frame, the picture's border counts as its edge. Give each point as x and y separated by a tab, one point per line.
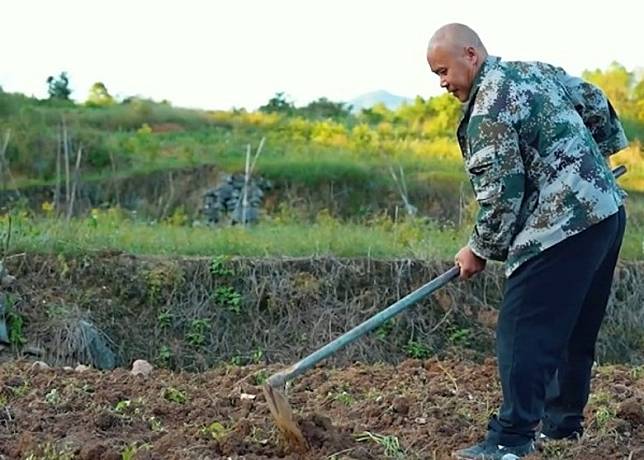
456	68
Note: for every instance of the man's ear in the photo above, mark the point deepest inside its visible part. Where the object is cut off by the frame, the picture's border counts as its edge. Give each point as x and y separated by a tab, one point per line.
471	54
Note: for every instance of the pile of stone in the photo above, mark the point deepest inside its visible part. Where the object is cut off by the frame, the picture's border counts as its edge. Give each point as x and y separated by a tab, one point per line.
224	204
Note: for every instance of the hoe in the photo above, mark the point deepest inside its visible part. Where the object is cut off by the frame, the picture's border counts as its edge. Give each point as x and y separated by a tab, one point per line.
275	386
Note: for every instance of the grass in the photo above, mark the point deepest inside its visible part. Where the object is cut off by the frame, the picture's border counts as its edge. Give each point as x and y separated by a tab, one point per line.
329	237
108	230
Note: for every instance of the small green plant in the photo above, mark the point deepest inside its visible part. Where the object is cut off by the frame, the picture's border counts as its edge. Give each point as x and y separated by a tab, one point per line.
15	323
51	452
196	335
155	424
215	430
603	416
174	395
129	408
165	319
20	390
161	278
257	356
554	449
155	282
390	444
165	356
385	330
237	360
604	409
460	336
53	397
56	311
219	266
129	452
123	406
344	397
229	298
417	350
260	377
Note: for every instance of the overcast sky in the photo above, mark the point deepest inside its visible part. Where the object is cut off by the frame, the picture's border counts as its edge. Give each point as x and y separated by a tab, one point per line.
220	54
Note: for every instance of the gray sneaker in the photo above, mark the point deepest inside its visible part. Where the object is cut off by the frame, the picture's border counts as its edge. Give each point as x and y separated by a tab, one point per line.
487	450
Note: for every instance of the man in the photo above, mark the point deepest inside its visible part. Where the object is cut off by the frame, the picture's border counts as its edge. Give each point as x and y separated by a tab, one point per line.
535	141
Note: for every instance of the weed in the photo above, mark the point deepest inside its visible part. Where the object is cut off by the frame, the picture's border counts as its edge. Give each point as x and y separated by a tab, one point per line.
15	323
260	377
128	408
555	449
53	397
215	430
604	409
417	350
196	334
390	444
165	319
129	452
175	395
219	266
155	424
51	452
460	336
229	298
385	330
165	356
344	397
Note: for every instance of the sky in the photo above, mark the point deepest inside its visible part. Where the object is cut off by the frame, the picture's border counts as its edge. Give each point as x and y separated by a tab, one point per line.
220	54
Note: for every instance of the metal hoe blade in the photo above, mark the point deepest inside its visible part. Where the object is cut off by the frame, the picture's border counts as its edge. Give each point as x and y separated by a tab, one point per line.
284	419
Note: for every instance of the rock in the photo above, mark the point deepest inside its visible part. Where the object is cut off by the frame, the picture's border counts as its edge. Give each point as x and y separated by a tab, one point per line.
40	365
141	367
82	368
223	203
401	405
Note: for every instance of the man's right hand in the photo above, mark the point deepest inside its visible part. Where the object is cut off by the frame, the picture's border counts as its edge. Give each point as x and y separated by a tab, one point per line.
469	263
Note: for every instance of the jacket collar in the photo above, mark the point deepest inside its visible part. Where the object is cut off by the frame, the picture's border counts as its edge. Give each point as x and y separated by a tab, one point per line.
489	64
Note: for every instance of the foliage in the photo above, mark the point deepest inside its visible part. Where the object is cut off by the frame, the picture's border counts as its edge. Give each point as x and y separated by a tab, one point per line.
58	87
99	96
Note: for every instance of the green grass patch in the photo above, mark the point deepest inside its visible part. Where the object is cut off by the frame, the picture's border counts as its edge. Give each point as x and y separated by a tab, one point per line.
108	230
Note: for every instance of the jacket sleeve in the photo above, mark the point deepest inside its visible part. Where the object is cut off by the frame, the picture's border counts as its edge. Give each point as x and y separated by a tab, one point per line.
597	112
495	168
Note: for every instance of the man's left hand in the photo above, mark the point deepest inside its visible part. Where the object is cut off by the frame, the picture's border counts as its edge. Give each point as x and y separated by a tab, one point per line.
470	263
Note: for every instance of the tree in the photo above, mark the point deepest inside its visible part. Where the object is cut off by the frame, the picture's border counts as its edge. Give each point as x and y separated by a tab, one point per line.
278	104
323	108
99	96
59	87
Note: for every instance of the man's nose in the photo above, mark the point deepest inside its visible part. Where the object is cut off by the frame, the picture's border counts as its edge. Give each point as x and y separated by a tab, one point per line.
443	82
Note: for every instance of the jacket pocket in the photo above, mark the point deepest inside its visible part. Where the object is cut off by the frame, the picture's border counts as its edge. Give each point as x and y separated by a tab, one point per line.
484	173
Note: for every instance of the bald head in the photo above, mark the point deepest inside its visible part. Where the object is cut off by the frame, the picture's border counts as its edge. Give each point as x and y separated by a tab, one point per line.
455	53
456	36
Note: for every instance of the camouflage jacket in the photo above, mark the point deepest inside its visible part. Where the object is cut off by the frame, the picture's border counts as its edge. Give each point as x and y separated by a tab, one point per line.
535	143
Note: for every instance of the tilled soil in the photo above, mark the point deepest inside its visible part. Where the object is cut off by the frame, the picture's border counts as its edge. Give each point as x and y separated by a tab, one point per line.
417	409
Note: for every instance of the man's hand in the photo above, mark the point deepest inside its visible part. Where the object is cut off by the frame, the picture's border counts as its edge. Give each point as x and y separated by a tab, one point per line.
470	263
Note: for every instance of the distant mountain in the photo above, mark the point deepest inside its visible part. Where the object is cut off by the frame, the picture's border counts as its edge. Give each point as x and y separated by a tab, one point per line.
367	100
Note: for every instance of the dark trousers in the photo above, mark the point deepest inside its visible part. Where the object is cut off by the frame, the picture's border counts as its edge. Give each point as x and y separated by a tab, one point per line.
546	332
